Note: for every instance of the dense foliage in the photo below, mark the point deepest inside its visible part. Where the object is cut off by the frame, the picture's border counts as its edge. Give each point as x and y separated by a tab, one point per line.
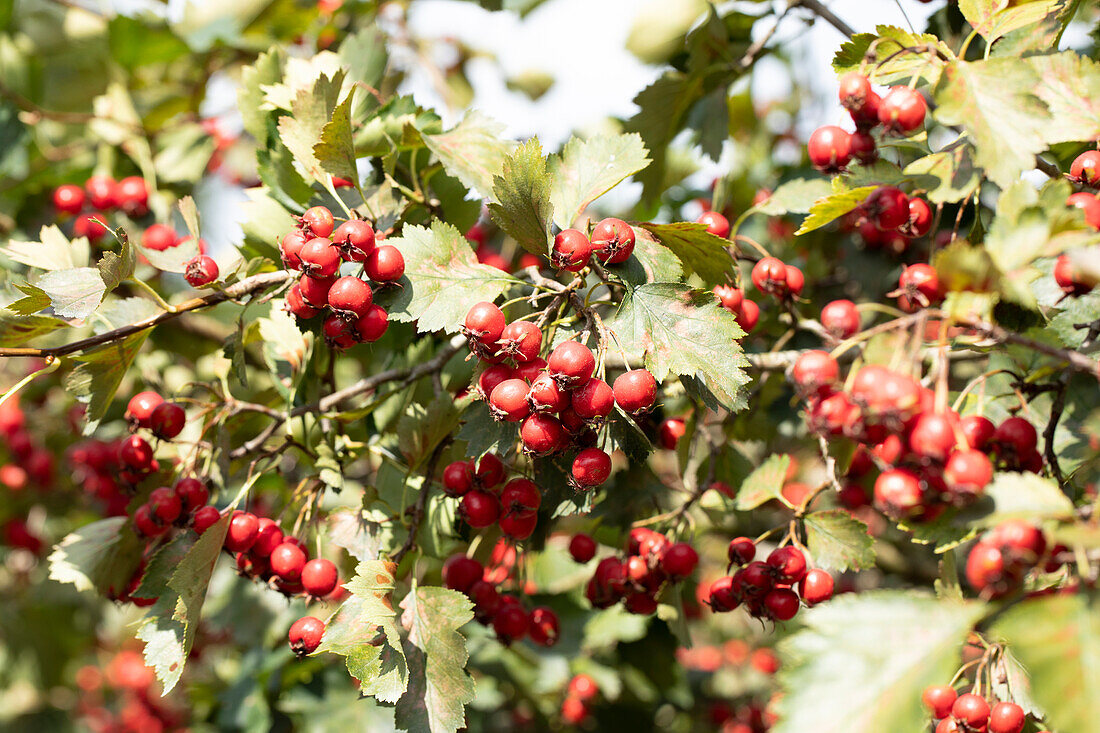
445	441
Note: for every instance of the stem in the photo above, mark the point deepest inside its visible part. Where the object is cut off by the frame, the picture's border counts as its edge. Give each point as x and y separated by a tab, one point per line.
152	293
417	511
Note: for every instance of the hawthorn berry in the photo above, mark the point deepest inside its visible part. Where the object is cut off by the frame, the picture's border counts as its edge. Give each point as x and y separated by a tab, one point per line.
139	410
729	296
319	577
542	434
287	561
355	239
520	496
919	222
490	471
862	147
530	370
968	472
159	237
320	259
814	372
349	296
192	493
840	319
132	196
305	635
1070	278
571	363
977	430
508	400
591	467
748	315
571	251
1014	439
679	561
1006	717
243	530
582	548
830	149
795	280
932	435
612	241
898	492
518	526
582	687
635	391
167	420
815	587
339	333
769	275
918	287
458	478
372	325
1085	170
670	431
594	399
68	199
488	380
902	110
985	567
200	271
269	537
318	221
136	454
205	518
547	395
480	508
1089	204
102	192
297	306
385	264
741	551
290	249
164	505
887	207
971	710
87	225
939	699
720	595
510	623
145	524
781	604
788	564
717	224
521	340
853	90
486	600
543	626
461	572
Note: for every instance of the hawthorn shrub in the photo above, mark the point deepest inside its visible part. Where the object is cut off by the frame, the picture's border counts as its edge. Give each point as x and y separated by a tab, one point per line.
444	441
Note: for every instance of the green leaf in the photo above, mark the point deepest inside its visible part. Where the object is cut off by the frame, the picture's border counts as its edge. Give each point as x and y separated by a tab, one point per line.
1026	496
1057	639
74	293
266	71
99	372
764	483
173	259
954	170
16	330
439	687
483	434
891	64
52	252
100	556
356	532
34	300
686	332
169	629
627	436
283	340
701	252
993	19
662	107
522	191
794	197
1042	33
587	169
609	627
442	279
364	631
890	646
1069	84
650	262
994	102
311	111
473	151
190	213
834	206
114	268
421	428
839	541
335	151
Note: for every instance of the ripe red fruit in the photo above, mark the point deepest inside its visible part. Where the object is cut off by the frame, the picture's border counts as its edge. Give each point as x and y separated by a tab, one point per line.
192	493
582	687
573	711
888	207
571	250
305	635
68	199
290	249
679	561
795	280
521	340
902	110
594	399
918	287
968	472
508	400
1021	538
635	390
1085	169
350	296
135	453
458	478
319	577
977	430
520	496
373	324
139	409
748	315
985	566
86	226
132	196
741	551
591	468
200	271
1006	717
769	275
816	587
102	192
242	532
355	239
853	90
484	324
582	548
1088	204
546	395
717	224
781	604
571	363
320	259
339	333
297	306
490	471
730	297
670	431
612	241
971	710
542	434
167	420
146	525
721	597
862	146
898	492
932	435
385	264
510	623
318	220
788	564
518	526
830	148
1015	438
158	237
1069	278
920	219
939	699
205	518
841	319
814	372
461	572
287	561
543	626
480	508
268	538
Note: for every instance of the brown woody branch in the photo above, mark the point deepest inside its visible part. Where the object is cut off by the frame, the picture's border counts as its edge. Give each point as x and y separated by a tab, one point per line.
417	511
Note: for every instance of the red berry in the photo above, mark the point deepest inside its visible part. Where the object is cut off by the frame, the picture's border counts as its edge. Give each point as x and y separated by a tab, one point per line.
385	264
1089	204
543	626
510	623
830	148
350	296
971	710
594	399
571	363
888	207
769	275
730	297
1085	170
145	524
1021	538
546	395
242	532
902	110
795	280
788	563
490	471
968	472
1069	278
781	604
720	595
201	271
205	518
167	420
296	304
68	199
132	196
1006	717
856	96
480	508
863	148
159	237
1015	438
571	251
314	290
939	699
486	600
461	572
305	635
269	537
136	454
320	259
508	400
355	238
977	430
748	315
318	220
582	548
816	587
319	577
932	435
741	551
165	505
102	192
458	478
192	493
521	340
140	408
841	319
542	434
814	372
612	241
520	496
591	467
87	226
898	492
339	332
717	224
518	526
918	287
679	561
287	561
635	391
290	249
670	431
373	324
582	687
920	219
484	324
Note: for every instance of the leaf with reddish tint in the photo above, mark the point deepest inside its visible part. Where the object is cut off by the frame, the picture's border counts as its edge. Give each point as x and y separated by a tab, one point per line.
703	253
992	20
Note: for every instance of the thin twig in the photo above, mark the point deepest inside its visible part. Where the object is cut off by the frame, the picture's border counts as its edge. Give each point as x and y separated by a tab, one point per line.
417	511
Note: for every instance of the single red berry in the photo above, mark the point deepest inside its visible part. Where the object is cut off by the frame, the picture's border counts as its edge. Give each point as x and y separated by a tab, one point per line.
517	525
542	434
372	325
717	224
902	110
305	635
788	563
490	471
135	453
205	518
971	710
102	192
769	275
679	561
510	623
933	435
1014	438
355	238
741	551
68	199
458	478
350	296
1006	717
985	566
319	577
167	420
530	370
508	400
571	363
339	332
200	271
948	725
582	548
841	319
290	249
968	472
1089	204
480	508
918	287
939	699
543	626
145	523
192	493
582	687
287	561
730	297
297	306
320	259
132	196
165	505
139	409
242	532
268	537
571	251
1023	539
888	207
898	492
594	399
670	431
635	391
385	264
920	219
795	280
977	430
1084	170
862	146
461	572
546	395
521	340
1070	278
816	587
814	372
720	595
591	467
520	496
87	225
748	315
854	90
484	324
612	241
159	237
781	604
486	600
318	221
830	149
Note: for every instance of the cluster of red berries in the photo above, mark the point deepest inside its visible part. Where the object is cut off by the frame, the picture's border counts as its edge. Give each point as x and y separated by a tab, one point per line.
767	589
771	276
487	254
579	693
177	506
262	551
1085	171
101	193
971	713
900	111
636	580
611	241
165	420
504	612
929	458
1002	558
122	696
31	463
318	248
487	499
96	467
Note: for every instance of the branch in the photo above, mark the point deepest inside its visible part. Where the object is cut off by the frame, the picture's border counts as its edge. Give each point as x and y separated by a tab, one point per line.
237	290
818	8
1074	359
417	511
